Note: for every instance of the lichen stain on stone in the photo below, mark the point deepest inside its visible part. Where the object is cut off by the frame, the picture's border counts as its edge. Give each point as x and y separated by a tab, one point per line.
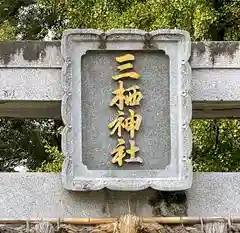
169	204
57	44
199	48
218	48
31	50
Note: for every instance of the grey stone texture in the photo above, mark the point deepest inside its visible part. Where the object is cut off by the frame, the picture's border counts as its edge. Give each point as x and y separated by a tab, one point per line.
215	78
40	195
153	137
214	194
164	138
36	92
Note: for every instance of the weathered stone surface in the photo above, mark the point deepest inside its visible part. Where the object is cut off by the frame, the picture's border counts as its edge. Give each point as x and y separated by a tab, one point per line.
40	195
153	137
216	70
30	84
23	54
215	54
164	137
214	194
40	79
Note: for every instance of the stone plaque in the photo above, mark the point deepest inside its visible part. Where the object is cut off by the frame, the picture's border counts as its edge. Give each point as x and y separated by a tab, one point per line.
126	109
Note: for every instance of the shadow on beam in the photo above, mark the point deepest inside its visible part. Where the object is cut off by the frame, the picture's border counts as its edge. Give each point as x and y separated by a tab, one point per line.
52	109
30	109
216	109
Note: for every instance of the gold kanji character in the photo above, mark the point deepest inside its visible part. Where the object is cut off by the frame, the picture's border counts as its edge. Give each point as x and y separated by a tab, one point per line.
124	58
131	74
125	66
132	99
132	123
117	124
119	96
119	152
128	65
133	149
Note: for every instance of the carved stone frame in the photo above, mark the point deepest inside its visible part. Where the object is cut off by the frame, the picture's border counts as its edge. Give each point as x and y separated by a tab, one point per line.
178	174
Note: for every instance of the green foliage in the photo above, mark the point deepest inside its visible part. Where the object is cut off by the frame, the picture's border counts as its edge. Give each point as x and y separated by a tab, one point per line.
216	145
22	142
229	20
9	9
54	162
36	144
196	16
7	31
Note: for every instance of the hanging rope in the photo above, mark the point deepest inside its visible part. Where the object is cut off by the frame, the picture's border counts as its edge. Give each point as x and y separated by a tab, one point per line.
125	224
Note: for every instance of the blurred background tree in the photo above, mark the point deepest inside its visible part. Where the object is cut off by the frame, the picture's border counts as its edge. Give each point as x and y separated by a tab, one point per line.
36	144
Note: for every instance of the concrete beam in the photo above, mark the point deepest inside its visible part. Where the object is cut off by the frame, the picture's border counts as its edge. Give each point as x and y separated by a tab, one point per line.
214	194
39	195
30	77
